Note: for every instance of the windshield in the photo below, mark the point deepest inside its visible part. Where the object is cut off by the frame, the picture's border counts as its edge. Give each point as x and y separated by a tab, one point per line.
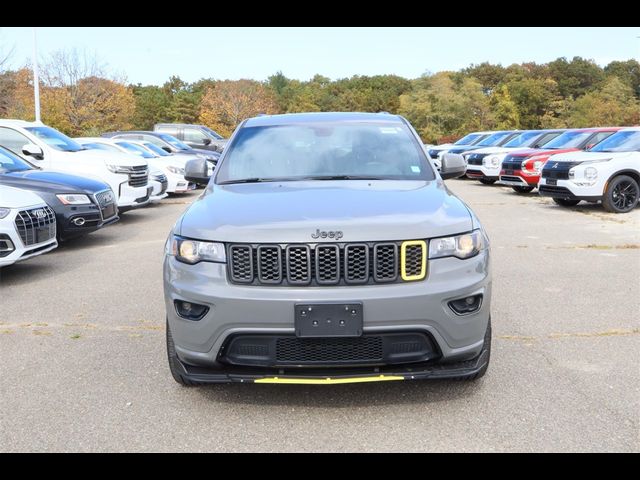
136	149
55	139
325	151
174	141
625	141
569	140
10	162
156	149
212	133
469	139
523	140
493	140
101	146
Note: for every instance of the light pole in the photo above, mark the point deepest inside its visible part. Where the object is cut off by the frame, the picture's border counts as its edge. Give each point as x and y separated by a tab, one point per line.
36	80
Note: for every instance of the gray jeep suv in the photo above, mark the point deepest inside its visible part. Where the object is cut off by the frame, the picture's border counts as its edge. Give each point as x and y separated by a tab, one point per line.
326	249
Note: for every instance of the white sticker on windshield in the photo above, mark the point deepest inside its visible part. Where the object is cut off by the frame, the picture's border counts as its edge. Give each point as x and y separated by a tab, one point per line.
415	169
388	130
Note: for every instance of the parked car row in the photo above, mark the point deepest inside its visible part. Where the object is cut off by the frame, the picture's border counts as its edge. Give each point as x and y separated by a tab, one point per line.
53	188
600	164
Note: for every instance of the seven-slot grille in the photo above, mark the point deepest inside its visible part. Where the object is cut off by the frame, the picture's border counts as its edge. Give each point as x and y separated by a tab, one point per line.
138	176
107	202
323	264
476	158
36	226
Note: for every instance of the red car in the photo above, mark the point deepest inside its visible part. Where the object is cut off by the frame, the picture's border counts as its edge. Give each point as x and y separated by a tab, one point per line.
521	169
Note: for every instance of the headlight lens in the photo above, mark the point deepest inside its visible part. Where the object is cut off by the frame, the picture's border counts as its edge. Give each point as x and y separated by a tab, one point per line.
4	212
491	161
176	170
537	165
73	199
193	251
117	169
461	246
590	173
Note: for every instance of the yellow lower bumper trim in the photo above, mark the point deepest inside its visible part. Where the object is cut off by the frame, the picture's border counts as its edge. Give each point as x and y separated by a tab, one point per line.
324	381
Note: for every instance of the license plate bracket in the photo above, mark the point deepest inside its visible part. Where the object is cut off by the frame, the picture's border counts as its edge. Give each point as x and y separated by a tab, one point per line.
43	234
328	320
551	181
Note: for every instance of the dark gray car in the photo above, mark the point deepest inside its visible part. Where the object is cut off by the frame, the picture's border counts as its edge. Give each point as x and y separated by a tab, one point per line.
196	136
326	249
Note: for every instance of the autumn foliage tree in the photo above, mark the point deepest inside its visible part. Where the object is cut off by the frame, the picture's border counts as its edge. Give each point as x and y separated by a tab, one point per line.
229	102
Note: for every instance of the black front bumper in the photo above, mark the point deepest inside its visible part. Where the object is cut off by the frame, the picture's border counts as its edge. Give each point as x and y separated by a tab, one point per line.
414	371
66	215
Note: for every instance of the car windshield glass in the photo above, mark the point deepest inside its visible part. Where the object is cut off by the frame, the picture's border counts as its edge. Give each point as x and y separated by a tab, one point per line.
136	150
212	133
156	149
523	140
174	142
625	141
101	146
325	151
568	140
468	139
492	140
55	139
9	162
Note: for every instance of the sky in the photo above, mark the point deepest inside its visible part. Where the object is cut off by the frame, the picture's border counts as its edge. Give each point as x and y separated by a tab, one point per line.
150	55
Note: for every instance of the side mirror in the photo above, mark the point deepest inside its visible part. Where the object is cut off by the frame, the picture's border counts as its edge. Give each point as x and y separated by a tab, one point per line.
167	149
33	150
207	141
197	171
590	146
452	166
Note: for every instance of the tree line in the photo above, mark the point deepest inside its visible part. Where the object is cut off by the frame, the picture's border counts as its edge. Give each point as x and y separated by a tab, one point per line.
79	96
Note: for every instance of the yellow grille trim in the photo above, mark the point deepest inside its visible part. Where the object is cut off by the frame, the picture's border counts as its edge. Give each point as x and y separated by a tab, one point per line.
403	263
327	380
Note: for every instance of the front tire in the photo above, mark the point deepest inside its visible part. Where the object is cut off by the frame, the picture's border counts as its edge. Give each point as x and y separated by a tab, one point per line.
522	189
177	372
487	181
566	202
621	195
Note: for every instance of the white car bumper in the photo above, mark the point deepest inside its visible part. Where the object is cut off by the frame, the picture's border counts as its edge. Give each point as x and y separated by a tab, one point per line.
133	197
568	189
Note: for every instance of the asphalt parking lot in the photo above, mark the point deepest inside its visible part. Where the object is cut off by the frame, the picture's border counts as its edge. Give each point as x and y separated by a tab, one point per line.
84	369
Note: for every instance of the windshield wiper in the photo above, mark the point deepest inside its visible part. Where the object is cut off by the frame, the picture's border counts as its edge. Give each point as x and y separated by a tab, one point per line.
247	180
342	177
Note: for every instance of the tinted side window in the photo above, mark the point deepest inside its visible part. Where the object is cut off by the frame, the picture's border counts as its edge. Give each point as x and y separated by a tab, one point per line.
13	140
598	137
152	139
171	130
547	138
194	135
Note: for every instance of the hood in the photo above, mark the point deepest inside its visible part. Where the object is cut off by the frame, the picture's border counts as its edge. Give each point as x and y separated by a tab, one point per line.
164	162
291	211
16	198
581	156
109	158
530	152
52	182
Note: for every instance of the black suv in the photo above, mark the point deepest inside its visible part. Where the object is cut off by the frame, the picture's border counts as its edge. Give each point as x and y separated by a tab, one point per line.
81	205
196	136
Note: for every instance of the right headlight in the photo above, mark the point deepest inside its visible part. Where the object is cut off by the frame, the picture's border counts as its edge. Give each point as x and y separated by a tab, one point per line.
462	246
491	161
193	251
4	212
73	199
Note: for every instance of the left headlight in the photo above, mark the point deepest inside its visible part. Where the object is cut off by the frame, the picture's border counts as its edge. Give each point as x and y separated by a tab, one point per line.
73	199
176	170
194	251
118	169
4	212
462	246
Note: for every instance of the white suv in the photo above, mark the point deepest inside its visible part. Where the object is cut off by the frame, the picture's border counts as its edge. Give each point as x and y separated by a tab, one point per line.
27	226
608	172
50	149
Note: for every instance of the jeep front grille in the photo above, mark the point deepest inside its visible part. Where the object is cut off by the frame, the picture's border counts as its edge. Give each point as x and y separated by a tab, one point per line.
325	264
36	226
